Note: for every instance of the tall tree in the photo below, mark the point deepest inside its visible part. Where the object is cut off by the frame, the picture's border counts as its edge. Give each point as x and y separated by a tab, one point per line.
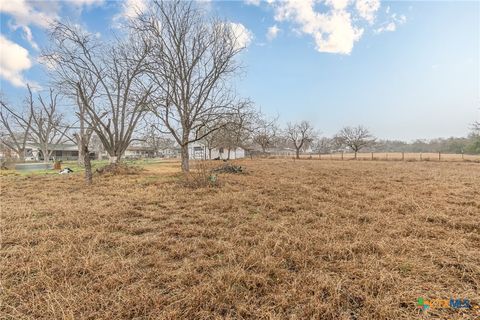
355	138
106	78
43	120
192	64
14	131
299	135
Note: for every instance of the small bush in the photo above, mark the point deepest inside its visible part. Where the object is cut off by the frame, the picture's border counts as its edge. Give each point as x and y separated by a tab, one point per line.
200	176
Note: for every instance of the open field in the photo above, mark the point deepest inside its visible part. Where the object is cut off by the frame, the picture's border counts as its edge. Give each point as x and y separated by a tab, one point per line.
289	240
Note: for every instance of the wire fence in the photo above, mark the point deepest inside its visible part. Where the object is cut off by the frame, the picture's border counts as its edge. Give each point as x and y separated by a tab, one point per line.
382	156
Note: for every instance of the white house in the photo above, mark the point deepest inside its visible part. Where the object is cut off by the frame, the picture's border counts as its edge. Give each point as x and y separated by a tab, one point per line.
138	151
61	151
198	151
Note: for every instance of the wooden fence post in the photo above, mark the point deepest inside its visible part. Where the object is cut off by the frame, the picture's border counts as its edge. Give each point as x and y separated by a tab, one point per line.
372	155
439	156
342	155
403	156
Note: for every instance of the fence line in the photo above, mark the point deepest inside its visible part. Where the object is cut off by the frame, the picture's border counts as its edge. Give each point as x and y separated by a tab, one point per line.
382	156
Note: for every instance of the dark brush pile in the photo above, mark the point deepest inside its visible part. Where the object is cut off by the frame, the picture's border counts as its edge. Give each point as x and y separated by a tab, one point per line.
229	168
118	169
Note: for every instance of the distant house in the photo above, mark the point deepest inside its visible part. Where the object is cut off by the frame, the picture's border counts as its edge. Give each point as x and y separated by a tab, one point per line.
33	152
168	152
198	151
136	151
61	151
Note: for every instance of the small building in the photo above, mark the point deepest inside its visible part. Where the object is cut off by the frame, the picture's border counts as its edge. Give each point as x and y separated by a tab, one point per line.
198	151
60	151
135	152
34	152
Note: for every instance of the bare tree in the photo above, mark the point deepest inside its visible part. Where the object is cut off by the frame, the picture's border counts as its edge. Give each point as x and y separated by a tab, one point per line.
355	138
43	121
299	135
265	132
238	128
107	79
156	140
14	131
324	145
191	64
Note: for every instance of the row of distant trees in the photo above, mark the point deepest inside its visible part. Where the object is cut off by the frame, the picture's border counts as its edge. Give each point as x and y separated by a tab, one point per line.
265	135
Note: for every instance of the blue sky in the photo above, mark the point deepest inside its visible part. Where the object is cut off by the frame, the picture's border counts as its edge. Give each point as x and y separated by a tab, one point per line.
405	70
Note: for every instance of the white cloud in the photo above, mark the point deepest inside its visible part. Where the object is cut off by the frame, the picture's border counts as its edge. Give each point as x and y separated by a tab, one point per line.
242	35
391	24
27	13
14	60
388	27
338	4
367	9
253	2
131	8
272	32
85	3
333	31
27	34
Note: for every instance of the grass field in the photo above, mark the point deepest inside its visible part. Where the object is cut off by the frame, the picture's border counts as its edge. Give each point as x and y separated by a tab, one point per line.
289	240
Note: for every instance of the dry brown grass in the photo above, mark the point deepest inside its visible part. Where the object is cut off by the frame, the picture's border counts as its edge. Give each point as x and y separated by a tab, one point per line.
290	240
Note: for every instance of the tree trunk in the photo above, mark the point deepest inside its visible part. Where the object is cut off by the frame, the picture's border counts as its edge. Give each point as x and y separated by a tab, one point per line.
88	165
46	156
228	154
81	153
355	155
209	153
21	155
298	153
184	155
115	157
